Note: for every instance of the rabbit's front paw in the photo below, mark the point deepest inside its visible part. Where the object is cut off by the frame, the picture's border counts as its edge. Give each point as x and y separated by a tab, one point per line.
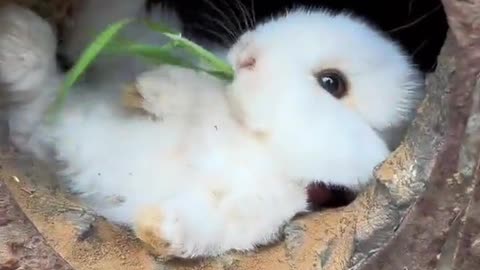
167	90
27	48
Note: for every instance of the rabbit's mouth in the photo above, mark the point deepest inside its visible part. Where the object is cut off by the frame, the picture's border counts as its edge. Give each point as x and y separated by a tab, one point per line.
240	116
322	195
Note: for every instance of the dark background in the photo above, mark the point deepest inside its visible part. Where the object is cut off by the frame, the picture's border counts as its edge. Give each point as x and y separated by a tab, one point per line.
418	25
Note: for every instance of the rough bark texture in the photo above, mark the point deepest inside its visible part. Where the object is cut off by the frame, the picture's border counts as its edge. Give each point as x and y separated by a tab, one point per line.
433	235
423	212
21	245
442	229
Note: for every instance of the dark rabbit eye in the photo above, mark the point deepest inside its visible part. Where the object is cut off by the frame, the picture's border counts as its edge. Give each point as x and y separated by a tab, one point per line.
333	81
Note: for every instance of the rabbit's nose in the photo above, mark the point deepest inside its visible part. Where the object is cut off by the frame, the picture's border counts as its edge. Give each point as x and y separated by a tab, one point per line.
245	55
246	63
247	58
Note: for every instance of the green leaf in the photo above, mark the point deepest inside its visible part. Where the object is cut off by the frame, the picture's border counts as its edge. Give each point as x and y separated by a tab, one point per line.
108	42
154	54
159	55
160	28
87	57
217	65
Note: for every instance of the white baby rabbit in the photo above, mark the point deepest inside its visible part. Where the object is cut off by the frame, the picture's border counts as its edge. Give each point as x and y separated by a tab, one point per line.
221	166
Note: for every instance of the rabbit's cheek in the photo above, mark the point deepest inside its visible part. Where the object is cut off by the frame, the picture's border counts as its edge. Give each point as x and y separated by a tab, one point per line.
237	112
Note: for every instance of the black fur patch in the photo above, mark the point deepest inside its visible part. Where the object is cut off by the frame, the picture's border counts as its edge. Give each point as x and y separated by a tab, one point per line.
321	196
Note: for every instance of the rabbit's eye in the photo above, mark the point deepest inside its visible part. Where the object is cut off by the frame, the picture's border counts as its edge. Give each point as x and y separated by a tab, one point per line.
332	81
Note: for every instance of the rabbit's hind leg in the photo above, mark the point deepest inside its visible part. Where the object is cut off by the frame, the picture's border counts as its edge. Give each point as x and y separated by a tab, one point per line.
213	221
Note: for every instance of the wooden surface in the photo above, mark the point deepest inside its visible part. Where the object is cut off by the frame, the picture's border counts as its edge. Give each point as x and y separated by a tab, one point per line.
421	213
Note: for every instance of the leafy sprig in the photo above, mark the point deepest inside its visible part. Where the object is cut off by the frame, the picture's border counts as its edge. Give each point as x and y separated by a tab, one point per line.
109	41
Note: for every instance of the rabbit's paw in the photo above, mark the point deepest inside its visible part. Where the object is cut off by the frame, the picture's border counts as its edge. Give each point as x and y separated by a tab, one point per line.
176	229
166	90
164	233
147	229
27	48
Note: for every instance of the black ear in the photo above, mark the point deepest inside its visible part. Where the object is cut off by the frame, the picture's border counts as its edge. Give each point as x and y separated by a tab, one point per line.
321	196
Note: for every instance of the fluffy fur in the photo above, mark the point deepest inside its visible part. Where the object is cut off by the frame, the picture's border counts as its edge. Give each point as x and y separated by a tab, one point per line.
208	167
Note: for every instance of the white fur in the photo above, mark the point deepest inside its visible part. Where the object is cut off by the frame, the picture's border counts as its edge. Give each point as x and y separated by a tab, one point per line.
306	121
226	164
